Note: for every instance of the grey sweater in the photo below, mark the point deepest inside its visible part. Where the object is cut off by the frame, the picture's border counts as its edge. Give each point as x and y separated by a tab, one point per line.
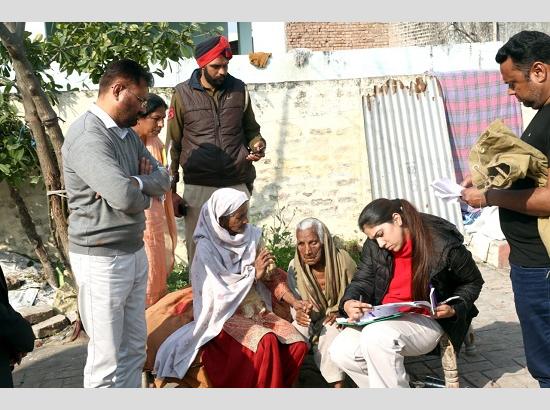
97	160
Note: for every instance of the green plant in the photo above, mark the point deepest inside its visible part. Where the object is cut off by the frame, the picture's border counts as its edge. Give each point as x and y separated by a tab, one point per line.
88	46
179	277
18	160
279	238
352	246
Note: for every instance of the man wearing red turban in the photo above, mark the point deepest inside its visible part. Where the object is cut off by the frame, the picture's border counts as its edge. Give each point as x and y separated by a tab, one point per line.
213	134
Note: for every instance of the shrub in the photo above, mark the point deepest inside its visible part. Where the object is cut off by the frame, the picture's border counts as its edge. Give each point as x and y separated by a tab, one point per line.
179	277
352	246
279	237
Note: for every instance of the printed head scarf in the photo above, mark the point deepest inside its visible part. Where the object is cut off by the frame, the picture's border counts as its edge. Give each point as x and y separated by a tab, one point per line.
211	48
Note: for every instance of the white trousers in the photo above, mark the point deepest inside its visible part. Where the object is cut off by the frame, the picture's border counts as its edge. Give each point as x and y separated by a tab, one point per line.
374	355
321	355
111	300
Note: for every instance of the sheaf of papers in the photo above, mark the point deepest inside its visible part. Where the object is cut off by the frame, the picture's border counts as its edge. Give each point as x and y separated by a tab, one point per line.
446	189
388	310
394	310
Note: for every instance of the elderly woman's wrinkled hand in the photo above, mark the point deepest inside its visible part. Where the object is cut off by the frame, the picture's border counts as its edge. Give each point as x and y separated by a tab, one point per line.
303	308
263	260
302	318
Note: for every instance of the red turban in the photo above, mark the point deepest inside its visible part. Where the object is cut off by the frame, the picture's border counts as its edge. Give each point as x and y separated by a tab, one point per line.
210	49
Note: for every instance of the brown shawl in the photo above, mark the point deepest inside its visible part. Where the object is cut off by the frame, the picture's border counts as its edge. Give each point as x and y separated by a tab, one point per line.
339	269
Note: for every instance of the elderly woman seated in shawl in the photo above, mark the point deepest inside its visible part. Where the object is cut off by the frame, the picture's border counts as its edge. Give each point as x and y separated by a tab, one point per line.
318	276
242	343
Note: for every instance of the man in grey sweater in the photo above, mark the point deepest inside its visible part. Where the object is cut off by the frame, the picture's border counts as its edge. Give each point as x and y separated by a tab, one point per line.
110	179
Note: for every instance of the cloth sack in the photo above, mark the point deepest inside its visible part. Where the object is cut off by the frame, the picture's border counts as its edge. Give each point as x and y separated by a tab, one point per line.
499	158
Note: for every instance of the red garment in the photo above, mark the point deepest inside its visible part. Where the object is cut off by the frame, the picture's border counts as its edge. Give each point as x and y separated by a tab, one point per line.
400	289
229	364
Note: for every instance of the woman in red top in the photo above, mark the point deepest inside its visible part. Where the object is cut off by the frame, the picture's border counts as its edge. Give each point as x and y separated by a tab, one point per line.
406	254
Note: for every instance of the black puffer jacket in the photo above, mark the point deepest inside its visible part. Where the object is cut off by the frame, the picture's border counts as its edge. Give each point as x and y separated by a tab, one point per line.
454	273
16	334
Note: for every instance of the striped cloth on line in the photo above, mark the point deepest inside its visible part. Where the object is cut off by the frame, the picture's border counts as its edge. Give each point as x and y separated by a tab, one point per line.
474	99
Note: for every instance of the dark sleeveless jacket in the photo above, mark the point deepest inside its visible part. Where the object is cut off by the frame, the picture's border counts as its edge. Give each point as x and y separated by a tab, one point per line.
214	146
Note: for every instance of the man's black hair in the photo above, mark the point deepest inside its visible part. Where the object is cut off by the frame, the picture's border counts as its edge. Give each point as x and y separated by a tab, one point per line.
127	69
524	48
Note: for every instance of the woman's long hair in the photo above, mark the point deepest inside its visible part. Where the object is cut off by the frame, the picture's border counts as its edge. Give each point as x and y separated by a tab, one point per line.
381	211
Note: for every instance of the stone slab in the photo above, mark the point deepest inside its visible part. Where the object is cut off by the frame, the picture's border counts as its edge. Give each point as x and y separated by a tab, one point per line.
50	327
36	314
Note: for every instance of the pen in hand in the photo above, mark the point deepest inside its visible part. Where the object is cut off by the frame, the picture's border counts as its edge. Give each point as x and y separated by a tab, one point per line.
355	308
361	311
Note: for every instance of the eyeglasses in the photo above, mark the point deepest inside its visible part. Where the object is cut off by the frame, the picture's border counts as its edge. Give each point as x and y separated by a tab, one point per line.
142	101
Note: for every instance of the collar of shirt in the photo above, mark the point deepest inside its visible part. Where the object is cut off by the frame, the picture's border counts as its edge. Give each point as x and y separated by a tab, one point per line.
108	121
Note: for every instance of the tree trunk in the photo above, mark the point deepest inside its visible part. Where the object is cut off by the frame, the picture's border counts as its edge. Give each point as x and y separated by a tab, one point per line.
13	41
30	229
43	123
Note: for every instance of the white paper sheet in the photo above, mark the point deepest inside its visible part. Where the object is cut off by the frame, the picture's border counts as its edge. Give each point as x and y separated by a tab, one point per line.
446	189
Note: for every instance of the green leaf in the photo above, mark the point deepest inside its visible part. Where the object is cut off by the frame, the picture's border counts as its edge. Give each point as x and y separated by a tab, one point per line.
5	169
18	155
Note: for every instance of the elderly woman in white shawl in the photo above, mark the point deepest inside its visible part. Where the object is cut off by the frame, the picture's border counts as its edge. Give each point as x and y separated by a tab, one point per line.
241	342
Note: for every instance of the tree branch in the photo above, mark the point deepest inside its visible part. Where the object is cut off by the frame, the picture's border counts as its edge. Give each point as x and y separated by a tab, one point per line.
471	37
10	26
19	29
5	32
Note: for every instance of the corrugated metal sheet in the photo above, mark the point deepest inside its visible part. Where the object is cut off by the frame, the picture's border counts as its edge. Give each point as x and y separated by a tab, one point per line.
408	145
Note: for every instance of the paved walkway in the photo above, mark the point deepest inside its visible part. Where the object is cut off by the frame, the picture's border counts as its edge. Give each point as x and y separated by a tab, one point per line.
499	360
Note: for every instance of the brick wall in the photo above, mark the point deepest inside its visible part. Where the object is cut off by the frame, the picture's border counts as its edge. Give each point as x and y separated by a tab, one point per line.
319	36
336	36
428	34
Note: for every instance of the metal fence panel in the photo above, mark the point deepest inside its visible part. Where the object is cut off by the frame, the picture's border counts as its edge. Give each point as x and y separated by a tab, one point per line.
408	145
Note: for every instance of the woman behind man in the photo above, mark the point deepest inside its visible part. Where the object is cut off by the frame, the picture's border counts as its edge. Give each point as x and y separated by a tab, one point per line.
242	343
160	234
405	254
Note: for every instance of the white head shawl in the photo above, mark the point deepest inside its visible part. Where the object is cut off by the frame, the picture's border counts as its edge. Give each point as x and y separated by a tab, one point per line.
234	250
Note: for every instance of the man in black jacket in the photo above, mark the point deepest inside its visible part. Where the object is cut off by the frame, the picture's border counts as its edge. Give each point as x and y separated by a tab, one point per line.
16	336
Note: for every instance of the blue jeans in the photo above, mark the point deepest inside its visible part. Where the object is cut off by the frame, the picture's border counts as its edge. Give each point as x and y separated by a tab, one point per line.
532	298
